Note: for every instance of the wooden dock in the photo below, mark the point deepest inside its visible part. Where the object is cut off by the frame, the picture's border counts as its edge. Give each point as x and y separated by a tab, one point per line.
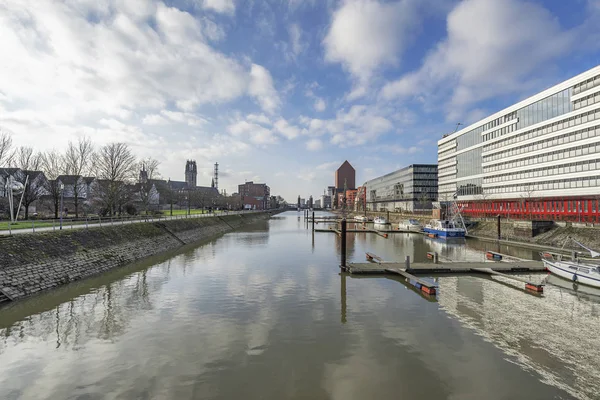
368	230
378	266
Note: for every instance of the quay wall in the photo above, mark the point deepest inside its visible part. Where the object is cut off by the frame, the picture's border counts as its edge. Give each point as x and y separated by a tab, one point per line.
31	263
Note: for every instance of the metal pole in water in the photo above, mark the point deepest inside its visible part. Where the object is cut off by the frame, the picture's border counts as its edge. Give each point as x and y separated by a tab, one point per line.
343	246
498	223
313	221
407	263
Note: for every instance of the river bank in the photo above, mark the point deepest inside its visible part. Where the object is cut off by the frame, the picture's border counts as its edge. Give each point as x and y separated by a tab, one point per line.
33	263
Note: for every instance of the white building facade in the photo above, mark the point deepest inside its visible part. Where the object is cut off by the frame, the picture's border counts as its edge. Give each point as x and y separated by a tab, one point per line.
538	159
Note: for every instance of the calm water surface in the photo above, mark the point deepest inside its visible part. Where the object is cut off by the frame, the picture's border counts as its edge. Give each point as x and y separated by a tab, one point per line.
263	313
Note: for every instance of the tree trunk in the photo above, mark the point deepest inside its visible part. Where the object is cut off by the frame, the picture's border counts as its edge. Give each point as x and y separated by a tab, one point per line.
26	211
76	200
56	208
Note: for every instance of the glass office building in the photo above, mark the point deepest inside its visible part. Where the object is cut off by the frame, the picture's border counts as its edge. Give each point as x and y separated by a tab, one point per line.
538	159
410	189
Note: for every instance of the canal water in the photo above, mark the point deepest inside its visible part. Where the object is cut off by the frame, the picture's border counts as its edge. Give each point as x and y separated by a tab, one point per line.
263	313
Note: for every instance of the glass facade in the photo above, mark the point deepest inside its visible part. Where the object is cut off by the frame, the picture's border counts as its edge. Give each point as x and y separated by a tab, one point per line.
408	189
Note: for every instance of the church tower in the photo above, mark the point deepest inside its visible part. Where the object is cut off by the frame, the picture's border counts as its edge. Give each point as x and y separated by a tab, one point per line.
191	172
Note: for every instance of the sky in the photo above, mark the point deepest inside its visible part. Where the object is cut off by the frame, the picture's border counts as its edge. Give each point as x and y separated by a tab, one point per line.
279	91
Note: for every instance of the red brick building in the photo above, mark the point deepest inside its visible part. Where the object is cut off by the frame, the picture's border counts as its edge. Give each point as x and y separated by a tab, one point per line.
345	173
255	196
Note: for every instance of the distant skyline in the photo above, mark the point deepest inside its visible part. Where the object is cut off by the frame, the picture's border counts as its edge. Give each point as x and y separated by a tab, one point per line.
279	91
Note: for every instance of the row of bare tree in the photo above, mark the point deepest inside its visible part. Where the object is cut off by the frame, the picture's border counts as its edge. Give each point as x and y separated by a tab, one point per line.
113	164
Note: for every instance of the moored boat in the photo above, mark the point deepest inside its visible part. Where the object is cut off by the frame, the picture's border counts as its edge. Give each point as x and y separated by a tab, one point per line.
412	225
576	270
360	218
380	220
444	229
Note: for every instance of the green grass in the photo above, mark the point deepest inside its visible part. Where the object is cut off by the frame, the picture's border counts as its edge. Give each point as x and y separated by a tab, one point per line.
67	223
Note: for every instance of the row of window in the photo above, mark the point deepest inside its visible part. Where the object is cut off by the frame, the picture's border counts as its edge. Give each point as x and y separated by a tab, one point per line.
576	136
581	166
557	126
500	132
586	101
530	189
586	85
591	148
544	109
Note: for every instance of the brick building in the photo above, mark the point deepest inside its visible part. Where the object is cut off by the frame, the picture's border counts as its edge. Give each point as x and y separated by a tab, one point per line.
345	173
255	196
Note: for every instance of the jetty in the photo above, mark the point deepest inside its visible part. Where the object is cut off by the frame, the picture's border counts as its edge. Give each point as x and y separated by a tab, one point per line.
409	270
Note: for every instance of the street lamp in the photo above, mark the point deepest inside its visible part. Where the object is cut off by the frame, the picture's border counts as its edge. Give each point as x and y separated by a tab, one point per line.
62	192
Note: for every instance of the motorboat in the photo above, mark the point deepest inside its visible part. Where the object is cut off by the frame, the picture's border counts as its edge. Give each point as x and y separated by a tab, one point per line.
577	270
380	221
412	225
444	229
360	218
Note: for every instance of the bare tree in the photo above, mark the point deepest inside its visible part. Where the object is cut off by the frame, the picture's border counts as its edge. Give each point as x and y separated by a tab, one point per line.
53	164
78	161
5	148
115	164
29	162
148	172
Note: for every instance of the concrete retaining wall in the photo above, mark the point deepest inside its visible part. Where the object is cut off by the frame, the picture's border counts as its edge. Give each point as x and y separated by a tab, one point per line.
32	263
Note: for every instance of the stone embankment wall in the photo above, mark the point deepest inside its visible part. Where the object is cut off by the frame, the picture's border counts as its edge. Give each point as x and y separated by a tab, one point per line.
31	263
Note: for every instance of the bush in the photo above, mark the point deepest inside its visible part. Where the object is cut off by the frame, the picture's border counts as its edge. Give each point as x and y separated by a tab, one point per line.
130	209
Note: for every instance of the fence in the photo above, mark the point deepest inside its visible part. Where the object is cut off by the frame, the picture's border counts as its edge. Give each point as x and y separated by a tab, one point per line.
32	226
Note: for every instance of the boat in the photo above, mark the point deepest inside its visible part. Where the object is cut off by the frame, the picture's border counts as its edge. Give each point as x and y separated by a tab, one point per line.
577	270
412	225
360	218
380	221
444	229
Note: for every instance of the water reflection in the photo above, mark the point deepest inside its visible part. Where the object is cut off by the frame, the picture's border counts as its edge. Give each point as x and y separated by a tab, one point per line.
265	313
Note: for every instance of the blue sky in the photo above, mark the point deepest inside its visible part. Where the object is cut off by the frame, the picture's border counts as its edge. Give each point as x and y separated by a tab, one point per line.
279	91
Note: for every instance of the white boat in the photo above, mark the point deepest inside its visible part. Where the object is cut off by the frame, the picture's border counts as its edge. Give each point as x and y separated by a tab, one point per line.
576	270
380	221
412	225
444	229
360	218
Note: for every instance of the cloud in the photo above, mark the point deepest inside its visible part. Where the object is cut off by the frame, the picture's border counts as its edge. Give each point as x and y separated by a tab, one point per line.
296	39
367	34
287	130
314	145
220	6
261	87
320	104
255	133
259	118
328	166
492	48
358	125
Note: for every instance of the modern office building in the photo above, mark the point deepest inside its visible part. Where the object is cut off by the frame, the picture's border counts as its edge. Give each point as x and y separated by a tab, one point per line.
537	159
345	174
410	189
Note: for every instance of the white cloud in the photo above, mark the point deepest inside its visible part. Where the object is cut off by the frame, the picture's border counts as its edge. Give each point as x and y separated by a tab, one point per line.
259	118
314	145
255	133
287	130
491	49
320	104
359	125
261	87
366	34
296	39
220	6
328	166
154	119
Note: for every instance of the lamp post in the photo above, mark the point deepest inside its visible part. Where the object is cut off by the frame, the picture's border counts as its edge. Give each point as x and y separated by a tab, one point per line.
62	192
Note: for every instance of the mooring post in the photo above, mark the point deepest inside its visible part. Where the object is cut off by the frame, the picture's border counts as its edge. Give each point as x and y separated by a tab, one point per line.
343	247
388	216
498	226
435	257
407	263
313	221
